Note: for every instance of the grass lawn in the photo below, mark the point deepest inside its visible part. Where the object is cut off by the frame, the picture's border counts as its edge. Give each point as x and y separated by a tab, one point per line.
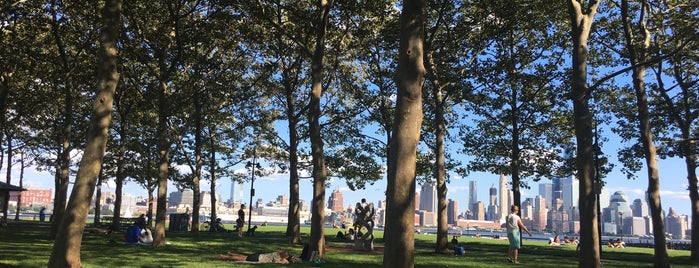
27	246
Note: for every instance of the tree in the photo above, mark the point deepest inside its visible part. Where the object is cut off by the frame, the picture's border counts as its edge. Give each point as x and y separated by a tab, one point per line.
400	190
676	93
71	53
637	43
517	100
66	249
581	16
317	240
281	44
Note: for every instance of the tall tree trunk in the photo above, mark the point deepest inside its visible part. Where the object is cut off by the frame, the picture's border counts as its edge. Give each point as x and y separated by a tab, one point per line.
163	166
196	200
5	76
214	177
637	52
63	161
440	173
21	184
66	248
8	178
293	227
400	189
691	163
317	242
151	198
441	245
581	22
120	174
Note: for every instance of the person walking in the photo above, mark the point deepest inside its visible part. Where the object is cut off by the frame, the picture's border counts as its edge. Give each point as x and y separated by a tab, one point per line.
514	224
42	214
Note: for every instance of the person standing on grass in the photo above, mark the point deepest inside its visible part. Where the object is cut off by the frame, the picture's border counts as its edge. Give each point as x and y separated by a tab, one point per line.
514	224
240	222
42	214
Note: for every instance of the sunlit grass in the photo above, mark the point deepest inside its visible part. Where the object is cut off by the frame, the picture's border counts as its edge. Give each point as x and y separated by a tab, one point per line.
28	247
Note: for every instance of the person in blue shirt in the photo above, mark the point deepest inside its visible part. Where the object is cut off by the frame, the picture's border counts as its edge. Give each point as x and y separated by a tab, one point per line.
133	234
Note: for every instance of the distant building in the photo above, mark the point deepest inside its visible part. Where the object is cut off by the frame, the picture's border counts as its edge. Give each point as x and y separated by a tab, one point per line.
618	209
417	201
639	208
473	195
504	198
527	208
634	226
479	211
180	199
452	212
676	224
335	201
546	191
492	213
32	197
427	218
540	212
428	197
237	193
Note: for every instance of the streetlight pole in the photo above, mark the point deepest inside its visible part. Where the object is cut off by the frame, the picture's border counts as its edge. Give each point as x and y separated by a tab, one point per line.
252	165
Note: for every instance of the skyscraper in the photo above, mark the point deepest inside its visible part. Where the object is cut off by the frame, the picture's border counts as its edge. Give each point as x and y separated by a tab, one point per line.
237	193
504	198
546	191
539	216
472	195
570	191
428	197
557	189
639	208
452	211
492	206
676	224
618	209
335	201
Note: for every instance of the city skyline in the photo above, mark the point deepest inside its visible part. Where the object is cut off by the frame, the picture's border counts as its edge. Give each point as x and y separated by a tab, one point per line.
673	187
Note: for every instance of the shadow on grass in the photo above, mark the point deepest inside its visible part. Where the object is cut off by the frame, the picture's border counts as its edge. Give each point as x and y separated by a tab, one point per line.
29	247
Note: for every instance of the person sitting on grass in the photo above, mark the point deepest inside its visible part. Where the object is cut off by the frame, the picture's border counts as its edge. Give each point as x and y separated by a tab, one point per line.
556	241
133	234
617	244
146	237
272	257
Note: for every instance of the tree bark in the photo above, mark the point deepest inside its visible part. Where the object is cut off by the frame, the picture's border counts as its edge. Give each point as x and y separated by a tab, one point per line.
293	228
637	52
440	173
400	189
581	23
62	179
163	166
317	242
214	177
66	249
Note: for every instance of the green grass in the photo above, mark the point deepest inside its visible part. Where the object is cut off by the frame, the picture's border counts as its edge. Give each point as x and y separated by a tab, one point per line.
27	246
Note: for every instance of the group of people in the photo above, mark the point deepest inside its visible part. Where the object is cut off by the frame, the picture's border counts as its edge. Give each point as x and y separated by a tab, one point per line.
556	241
217	225
619	243
138	232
